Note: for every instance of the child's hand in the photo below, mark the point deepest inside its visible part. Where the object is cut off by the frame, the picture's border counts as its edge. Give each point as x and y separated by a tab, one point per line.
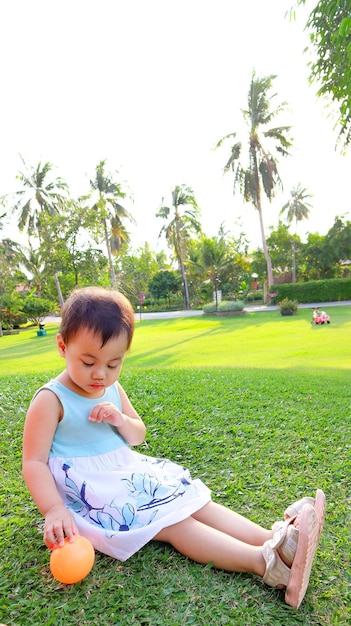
107	412
59	523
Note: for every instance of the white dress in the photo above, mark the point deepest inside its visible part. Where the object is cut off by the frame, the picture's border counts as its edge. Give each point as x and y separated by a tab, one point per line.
120	498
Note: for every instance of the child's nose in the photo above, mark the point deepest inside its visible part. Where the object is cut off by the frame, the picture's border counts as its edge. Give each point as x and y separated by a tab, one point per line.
98	374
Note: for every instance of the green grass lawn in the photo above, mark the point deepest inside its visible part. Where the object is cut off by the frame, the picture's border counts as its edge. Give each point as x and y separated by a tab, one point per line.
263	339
258	406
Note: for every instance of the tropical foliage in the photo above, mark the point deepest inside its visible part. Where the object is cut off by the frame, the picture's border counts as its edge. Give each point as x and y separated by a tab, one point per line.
106	216
297	209
329	26
259	173
164	284
41	195
182	219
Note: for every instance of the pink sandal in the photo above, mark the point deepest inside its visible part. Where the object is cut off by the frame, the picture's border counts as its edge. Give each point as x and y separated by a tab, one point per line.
297	545
318	502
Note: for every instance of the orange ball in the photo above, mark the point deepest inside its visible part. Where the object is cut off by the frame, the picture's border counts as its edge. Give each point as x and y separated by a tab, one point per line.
73	561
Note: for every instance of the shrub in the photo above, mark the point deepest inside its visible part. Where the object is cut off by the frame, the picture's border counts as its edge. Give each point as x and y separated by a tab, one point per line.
226	306
14	320
252	296
288	307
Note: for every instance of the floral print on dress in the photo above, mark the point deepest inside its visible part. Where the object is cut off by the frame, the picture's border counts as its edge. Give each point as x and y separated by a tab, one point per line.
145	490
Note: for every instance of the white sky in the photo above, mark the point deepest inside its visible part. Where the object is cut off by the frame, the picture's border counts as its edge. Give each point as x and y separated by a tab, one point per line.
151	86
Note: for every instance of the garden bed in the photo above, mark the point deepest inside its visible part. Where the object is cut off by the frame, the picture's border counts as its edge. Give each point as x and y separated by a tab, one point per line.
225	313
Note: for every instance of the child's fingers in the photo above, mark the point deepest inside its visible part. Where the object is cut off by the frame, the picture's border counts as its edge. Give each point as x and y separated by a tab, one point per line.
54	535
56	530
104	412
96	414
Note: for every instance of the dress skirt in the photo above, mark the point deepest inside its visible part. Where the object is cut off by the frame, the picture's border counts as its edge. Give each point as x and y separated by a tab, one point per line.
122	499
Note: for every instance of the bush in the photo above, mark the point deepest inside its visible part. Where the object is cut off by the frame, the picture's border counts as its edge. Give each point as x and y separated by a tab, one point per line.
329	290
226	306
252	296
288	307
13	320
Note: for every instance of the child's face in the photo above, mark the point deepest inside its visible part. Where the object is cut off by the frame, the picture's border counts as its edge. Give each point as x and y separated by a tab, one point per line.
90	367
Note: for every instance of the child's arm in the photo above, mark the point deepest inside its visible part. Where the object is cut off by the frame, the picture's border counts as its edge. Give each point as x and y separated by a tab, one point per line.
128	423
40	425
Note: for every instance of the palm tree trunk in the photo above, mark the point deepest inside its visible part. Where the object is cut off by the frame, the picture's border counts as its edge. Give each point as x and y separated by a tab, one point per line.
179	245
110	258
265	250
185	285
293	250
58	289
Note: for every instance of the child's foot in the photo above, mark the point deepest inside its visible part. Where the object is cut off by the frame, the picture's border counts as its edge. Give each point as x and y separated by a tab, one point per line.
289	555
318	502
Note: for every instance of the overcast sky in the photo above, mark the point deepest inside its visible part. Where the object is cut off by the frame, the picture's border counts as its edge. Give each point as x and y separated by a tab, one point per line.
151	86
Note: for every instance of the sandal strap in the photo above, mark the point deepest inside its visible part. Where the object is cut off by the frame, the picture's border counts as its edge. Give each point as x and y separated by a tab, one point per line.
285	537
277	573
296	507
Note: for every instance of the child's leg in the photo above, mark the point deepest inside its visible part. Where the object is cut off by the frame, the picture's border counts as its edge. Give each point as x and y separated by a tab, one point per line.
232	524
204	544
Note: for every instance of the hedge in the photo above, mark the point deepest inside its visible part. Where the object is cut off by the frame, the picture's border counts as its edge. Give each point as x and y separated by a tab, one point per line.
330	290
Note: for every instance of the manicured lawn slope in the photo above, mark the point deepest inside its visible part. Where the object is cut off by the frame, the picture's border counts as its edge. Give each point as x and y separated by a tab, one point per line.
253	340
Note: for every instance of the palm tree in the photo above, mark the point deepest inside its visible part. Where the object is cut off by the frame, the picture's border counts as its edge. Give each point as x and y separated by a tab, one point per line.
297	208
41	195
34	264
214	258
260	174
177	231
108	214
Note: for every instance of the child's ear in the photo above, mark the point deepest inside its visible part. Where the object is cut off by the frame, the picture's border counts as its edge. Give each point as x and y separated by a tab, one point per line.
61	345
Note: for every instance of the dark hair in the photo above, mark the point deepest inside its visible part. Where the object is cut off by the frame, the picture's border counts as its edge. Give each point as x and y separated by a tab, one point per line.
106	312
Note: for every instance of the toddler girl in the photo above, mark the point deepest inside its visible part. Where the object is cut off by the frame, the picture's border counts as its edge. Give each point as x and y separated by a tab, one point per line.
86	479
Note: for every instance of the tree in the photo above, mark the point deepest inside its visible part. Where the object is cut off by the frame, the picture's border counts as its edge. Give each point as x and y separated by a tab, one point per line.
219	262
163	284
185	219
316	259
107	215
280	242
137	269
9	254
37	308
329	26
297	208
68	251
41	194
214	260
338	244
33	265
328	256
260	173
